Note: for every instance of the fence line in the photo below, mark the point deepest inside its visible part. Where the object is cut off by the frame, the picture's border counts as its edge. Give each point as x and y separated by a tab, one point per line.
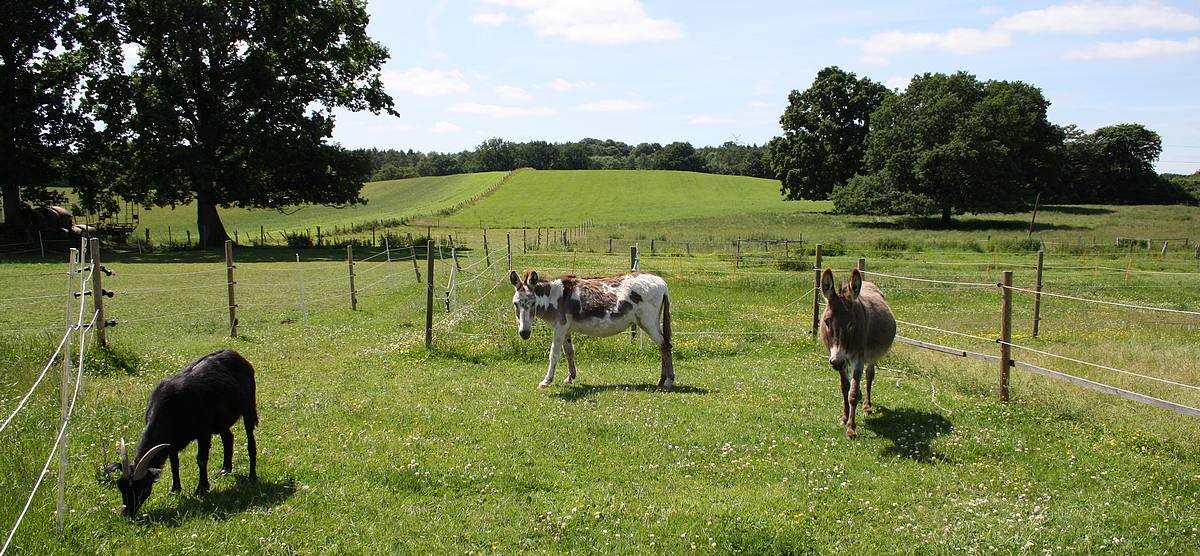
1098	366
898	277
38	381
1103	302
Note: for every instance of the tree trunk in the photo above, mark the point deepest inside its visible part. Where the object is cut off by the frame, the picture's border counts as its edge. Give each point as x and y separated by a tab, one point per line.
12	204
946	216
212	231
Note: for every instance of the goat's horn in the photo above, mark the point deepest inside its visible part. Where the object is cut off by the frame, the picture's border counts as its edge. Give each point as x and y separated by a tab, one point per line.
125	470
143	464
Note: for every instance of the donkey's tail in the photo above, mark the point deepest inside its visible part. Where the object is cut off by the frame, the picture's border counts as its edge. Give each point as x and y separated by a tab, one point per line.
666	321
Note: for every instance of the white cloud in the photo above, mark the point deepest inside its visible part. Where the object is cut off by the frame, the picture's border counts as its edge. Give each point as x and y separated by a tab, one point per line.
963	40
445	127
489	19
1095	17
709	119
512	92
1143	48
562	85
426	82
589	21
898	82
614	105
497	111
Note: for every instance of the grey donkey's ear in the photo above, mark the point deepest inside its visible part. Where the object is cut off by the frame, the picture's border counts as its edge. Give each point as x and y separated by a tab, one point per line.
856	280
533	278
514	278
827	284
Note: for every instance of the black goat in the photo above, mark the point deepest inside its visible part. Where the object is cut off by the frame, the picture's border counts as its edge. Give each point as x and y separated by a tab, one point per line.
207	397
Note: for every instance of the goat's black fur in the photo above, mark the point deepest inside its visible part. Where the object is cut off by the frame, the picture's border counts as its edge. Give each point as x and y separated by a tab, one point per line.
207	397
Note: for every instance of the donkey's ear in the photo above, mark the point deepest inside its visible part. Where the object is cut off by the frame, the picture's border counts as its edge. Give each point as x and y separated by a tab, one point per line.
855	283
514	278
533	278
827	285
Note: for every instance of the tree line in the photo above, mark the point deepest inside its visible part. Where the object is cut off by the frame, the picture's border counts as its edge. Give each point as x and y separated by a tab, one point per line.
950	144
600	154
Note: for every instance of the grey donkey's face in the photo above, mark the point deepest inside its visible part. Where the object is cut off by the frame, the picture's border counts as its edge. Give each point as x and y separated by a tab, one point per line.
524	301
839	323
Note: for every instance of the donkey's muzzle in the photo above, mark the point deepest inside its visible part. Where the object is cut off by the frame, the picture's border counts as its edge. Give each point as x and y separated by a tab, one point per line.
837	364
524	334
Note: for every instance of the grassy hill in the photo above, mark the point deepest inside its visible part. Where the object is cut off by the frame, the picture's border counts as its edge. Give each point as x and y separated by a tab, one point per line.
570	197
385	200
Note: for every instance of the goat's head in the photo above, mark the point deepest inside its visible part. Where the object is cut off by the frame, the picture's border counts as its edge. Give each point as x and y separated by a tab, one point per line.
524	300
839	326
137	479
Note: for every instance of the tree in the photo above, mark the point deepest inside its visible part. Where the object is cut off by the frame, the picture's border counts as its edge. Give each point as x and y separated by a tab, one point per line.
231	103
437	164
571	156
678	156
1115	164
51	52
495	154
824	133
536	154
951	144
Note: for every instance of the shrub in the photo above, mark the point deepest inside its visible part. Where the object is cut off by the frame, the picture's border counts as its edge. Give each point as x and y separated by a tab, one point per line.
794	265
297	240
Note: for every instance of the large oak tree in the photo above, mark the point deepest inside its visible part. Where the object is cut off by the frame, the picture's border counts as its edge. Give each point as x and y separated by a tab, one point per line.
231	103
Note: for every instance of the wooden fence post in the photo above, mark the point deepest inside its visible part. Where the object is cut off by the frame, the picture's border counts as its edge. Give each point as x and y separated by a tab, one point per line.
524	240
737	257
566	242
98	292
147	237
862	264
1005	333
1037	297
487	253
300	282
262	236
633	266
170	238
350	265
233	322
450	238
508	247
652	249
428	294
189	238
816	304
63	382
412	251
610	245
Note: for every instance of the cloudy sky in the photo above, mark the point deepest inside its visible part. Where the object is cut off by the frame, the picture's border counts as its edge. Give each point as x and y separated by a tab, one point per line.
710	71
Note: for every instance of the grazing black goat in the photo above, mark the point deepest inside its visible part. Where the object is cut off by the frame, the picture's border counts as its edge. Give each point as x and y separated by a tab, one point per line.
207	397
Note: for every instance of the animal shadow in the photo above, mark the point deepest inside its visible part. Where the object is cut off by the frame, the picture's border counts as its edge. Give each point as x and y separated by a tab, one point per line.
222	503
911	433
576	392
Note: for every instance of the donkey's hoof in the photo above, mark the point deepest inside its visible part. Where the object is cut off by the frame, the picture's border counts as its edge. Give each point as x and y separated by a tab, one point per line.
543	385
843	420
224	471
570	380
868	409
851	433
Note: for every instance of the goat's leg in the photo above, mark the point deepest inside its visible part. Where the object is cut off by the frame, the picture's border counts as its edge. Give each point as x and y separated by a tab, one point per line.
203	444
855	395
556	350
252	451
570	349
175	486
867	407
845	382
227	444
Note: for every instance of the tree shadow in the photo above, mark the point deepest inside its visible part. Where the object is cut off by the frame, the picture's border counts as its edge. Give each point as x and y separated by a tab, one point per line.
958	224
223	504
274	254
576	392
911	432
1076	209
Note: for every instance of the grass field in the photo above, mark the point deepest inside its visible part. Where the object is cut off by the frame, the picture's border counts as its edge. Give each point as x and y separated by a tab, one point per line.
371	443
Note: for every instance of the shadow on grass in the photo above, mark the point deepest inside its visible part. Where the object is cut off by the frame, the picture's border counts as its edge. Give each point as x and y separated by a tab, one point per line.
958	224
1074	209
222	504
911	432
248	254
576	392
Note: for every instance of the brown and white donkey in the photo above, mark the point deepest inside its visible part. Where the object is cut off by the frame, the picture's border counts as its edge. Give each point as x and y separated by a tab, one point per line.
858	328
595	307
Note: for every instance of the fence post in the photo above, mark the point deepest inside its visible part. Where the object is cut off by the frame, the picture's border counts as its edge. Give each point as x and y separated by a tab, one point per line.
688	245
508	247
64	379
816	304
412	250
566	241
487	253
189	238
737	258
633	266
1005	333
1163	254
524	240
428	294
652	249
862	264
233	322
450	238
387	248
41	244
170	238
610	245
262	235
98	292
300	280
350	264
1037	297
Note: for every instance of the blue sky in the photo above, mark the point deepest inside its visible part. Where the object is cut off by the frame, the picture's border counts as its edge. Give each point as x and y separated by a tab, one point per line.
707	71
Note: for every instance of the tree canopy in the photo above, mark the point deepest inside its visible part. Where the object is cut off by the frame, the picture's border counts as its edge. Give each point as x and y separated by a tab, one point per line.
824	133
231	103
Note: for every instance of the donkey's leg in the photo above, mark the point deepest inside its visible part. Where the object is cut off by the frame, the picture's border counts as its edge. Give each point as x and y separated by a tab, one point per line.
570	349
649	323
556	350
855	396
845	383
867	408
